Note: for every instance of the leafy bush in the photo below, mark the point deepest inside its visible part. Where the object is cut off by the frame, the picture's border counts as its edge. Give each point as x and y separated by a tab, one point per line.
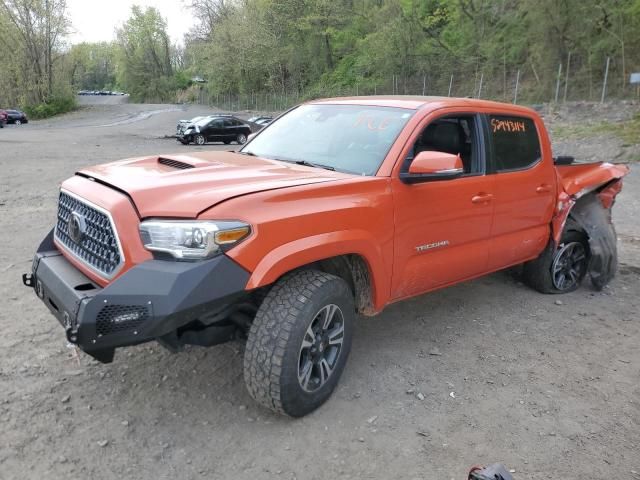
54	106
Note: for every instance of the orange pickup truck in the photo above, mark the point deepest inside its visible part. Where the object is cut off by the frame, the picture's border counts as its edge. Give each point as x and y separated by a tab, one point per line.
338	207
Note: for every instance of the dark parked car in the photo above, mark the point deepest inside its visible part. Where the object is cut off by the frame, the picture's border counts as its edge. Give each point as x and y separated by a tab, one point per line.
224	129
3	118
16	116
258	123
260	119
264	121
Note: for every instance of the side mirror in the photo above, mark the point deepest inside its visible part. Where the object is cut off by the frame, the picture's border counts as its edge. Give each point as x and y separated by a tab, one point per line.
563	160
429	166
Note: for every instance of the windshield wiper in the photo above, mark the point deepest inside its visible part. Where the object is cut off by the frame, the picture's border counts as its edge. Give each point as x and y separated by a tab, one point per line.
306	163
316	165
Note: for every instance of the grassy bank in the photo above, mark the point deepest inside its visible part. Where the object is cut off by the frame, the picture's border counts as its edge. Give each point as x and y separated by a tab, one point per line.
55	106
628	131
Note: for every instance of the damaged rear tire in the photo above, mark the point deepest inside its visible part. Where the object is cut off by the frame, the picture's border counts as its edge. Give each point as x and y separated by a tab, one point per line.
561	269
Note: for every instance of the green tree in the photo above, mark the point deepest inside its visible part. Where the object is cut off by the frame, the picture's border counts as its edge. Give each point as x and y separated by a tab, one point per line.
146	56
31	36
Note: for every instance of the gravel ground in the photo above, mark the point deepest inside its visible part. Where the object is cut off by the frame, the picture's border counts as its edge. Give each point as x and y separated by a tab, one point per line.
486	371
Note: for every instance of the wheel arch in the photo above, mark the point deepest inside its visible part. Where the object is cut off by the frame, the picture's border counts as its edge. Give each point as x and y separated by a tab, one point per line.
357	260
567	205
590	214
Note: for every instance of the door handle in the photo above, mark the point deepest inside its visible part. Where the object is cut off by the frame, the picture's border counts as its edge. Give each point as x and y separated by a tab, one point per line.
544	188
482	198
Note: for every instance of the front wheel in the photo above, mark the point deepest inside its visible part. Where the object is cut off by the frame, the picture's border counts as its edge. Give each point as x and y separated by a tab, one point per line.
241	139
199	139
18	122
299	342
561	269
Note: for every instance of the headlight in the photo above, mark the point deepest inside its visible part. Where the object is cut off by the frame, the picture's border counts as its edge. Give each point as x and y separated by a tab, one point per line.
191	239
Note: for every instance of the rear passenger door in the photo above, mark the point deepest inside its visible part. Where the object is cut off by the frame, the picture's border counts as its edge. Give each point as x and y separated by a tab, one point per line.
229	129
525	190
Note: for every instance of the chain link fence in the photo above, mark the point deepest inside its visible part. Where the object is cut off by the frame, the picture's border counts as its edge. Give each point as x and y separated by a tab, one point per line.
575	79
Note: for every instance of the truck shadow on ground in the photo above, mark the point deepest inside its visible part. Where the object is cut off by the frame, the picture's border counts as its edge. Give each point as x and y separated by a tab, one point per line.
469	316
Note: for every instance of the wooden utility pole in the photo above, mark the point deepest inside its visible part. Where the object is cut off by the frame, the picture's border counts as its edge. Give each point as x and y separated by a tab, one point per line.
604	84
566	78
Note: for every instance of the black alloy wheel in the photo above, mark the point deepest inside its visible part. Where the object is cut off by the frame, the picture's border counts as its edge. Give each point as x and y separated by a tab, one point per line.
321	348
569	266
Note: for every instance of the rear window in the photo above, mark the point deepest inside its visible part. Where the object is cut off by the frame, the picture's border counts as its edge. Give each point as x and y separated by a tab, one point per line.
515	142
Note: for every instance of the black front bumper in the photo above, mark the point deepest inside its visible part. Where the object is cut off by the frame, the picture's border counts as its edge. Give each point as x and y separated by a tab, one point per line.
149	301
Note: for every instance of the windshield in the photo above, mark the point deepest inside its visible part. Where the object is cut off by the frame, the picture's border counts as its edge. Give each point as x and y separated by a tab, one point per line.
349	138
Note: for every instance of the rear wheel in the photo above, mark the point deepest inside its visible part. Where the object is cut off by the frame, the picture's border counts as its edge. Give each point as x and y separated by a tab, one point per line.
561	269
199	139
299	342
18	122
241	139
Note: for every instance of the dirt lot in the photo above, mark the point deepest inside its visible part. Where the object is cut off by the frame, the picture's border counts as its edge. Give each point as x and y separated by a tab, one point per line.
547	385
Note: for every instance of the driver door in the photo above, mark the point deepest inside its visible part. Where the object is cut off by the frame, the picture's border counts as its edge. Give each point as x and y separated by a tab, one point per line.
442	228
215	130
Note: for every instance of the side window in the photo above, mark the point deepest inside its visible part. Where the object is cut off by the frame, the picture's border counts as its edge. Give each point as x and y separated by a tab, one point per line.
515	142
456	135
228	122
216	124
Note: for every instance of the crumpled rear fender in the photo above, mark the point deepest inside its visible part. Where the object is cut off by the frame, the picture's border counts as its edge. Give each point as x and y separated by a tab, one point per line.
576	181
587	193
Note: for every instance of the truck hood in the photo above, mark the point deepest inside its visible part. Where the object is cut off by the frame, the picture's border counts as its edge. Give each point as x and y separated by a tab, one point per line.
184	186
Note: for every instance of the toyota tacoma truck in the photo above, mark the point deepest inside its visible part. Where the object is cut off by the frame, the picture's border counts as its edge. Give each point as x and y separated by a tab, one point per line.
369	201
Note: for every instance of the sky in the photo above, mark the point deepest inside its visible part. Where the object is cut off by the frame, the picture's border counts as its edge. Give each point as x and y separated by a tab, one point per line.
96	20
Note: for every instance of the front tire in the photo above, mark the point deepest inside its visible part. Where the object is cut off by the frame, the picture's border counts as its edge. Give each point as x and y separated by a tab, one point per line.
199	139
561	269
299	342
18	122
241	139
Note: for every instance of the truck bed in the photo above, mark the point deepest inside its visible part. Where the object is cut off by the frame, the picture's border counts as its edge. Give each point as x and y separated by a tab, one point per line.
581	178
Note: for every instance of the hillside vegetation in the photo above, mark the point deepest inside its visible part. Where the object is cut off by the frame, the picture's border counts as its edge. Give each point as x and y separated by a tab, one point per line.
308	48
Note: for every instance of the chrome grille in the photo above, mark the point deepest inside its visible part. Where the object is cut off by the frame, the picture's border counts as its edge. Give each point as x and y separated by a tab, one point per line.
98	248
